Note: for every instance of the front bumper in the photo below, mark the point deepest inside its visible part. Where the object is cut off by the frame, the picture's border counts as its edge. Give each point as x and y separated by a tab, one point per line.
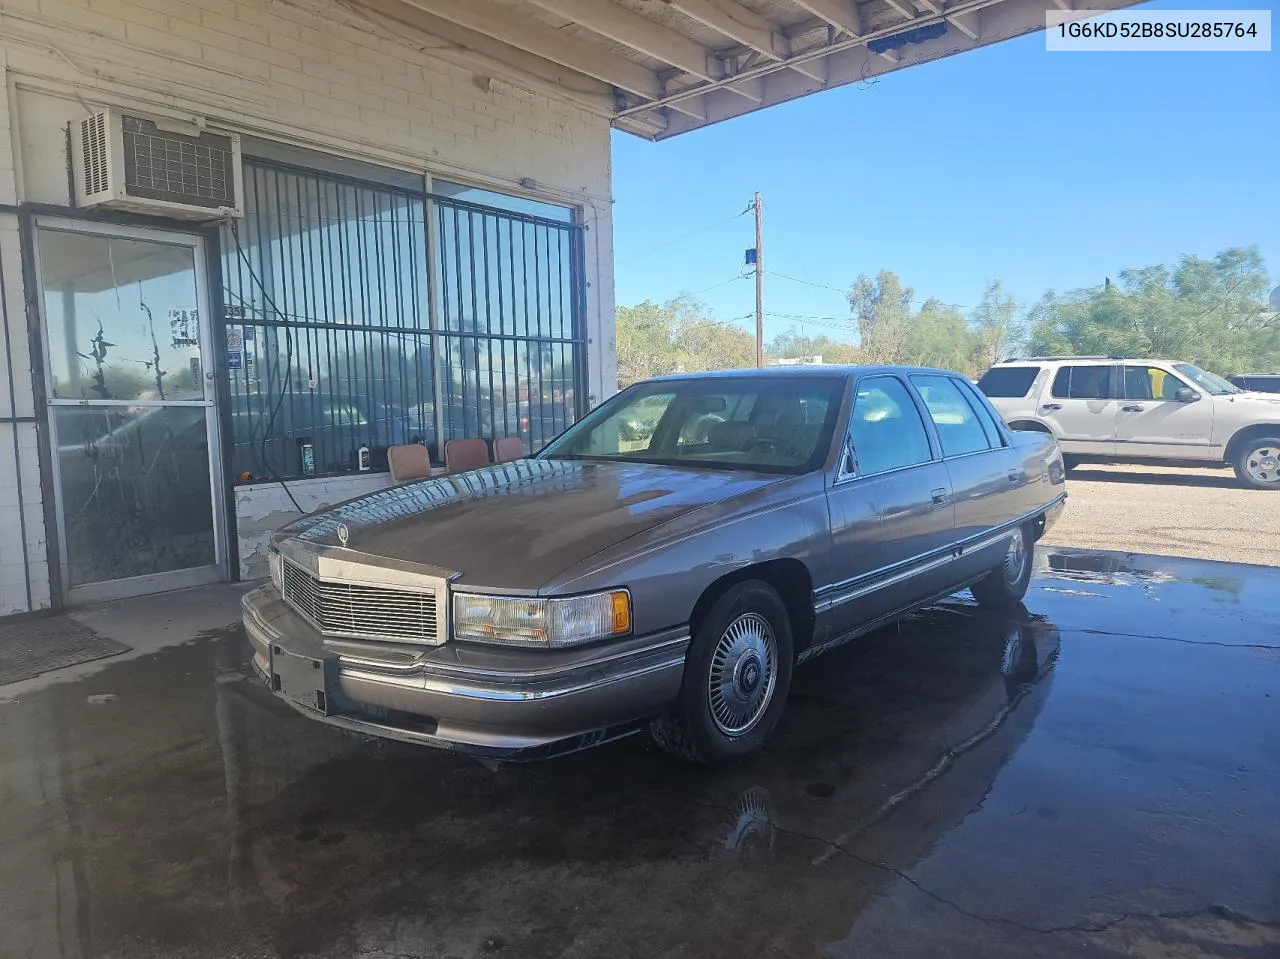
490	701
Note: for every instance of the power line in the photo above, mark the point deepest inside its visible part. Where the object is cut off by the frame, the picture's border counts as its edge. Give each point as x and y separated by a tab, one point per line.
687	236
716	286
796	279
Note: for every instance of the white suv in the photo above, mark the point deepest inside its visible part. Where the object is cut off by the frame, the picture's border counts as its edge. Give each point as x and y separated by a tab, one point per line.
1111	409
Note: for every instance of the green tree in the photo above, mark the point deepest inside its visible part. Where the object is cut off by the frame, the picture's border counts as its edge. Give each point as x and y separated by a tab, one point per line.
676	337
939	336
997	328
881	310
794	344
1210	312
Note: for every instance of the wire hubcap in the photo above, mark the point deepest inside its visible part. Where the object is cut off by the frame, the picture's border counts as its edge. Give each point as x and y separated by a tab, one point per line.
744	671
1015	557
1263	464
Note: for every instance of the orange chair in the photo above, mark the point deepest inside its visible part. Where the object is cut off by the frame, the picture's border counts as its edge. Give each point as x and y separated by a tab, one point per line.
409	462
465	454
508	448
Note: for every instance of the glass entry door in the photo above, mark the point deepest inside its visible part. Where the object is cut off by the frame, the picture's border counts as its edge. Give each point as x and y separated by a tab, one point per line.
131	408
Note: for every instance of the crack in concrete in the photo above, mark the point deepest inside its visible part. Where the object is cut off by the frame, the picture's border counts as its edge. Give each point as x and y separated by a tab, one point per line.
1167	639
1213	910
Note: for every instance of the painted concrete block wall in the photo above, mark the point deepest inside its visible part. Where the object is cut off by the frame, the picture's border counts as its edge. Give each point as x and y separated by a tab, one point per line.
315	73
263	508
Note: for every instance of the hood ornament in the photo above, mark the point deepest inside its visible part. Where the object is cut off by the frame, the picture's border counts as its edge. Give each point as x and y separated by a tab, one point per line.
344	534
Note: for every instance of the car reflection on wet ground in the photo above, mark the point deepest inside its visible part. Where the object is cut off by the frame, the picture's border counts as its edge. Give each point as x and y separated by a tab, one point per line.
1095	774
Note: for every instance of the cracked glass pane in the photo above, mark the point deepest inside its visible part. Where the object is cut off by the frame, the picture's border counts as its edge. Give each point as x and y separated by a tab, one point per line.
136	496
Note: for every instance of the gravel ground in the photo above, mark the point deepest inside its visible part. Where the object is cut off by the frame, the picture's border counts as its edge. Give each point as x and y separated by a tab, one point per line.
1200	513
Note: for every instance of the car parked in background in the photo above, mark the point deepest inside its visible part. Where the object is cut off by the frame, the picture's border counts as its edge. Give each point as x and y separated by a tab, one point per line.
665	562
1115	409
1258	382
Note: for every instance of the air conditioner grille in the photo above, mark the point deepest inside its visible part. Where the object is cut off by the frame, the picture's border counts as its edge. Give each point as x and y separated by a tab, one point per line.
160	165
93	135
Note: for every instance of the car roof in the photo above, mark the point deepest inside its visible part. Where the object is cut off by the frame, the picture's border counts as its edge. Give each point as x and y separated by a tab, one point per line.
1015	360
809	370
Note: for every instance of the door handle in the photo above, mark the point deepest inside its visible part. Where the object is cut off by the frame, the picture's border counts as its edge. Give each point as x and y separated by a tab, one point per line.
940	497
1133	408
1051	406
1013	476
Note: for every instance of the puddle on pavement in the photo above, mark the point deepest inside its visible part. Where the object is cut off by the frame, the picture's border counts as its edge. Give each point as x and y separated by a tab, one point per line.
172	807
184	809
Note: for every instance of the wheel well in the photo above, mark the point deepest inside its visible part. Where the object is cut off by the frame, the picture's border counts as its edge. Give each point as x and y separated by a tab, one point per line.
789	577
1031	425
1245	434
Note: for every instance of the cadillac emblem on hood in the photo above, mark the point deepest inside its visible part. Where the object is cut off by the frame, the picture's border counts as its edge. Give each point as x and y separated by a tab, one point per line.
344	534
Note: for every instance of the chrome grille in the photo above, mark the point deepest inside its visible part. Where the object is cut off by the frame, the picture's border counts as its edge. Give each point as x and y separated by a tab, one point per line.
359	611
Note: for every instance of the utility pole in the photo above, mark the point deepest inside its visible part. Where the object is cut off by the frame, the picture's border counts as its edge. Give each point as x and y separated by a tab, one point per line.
759	290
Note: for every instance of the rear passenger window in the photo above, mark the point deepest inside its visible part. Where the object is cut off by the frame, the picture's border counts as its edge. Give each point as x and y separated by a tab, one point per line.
986	416
1008	381
886	428
1082	383
958	426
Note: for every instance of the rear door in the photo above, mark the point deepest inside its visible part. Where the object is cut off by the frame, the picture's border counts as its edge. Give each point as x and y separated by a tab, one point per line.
1154	423
892	520
1081	405
986	473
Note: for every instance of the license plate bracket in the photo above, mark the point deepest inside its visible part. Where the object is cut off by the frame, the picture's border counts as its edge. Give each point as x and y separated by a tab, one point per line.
307	681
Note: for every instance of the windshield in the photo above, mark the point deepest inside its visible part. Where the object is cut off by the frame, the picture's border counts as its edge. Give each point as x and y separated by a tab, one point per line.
1211	383
766	425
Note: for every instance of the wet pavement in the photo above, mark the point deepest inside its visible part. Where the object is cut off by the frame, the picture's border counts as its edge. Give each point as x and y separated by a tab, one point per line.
1095	775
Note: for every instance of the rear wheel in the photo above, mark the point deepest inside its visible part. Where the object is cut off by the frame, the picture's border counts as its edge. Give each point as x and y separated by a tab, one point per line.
736	678
1258	463
1007	583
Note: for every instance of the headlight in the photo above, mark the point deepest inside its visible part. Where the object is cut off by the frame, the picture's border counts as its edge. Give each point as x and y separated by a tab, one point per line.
553	623
276	562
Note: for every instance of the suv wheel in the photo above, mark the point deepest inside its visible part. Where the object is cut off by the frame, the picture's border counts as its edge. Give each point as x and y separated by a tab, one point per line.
736	677
1258	463
1007	583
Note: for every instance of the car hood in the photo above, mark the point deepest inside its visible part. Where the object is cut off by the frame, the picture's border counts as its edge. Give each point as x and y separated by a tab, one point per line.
1254	397
517	525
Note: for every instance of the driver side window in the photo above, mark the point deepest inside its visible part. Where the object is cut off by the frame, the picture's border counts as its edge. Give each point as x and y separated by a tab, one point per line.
1150	383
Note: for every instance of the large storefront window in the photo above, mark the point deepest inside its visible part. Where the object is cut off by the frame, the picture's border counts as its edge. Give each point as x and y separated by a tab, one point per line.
336	341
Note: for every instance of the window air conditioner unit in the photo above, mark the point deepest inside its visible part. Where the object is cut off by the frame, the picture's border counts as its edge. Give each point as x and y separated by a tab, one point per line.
129	163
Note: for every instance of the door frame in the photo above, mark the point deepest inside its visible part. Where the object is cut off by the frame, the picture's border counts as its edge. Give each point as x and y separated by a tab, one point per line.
219	571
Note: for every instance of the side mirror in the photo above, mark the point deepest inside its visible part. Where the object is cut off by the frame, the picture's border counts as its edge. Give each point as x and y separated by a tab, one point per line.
1186	395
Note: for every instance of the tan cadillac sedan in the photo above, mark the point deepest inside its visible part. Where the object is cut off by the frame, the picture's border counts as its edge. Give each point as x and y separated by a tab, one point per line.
663	564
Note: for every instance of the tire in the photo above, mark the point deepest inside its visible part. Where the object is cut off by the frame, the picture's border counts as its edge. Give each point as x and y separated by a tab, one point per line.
1257	464
1007	583
745	627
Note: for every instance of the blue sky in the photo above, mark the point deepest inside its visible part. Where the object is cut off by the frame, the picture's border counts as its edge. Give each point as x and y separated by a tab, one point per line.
1045	170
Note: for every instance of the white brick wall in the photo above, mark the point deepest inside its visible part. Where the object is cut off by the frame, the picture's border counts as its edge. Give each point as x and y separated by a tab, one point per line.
310	72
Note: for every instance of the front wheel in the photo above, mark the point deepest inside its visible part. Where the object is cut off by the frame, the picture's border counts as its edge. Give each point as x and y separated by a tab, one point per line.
1007	583
736	678
1258	463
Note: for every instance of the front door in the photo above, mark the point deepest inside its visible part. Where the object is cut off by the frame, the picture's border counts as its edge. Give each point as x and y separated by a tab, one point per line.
1153	422
892	517
132	416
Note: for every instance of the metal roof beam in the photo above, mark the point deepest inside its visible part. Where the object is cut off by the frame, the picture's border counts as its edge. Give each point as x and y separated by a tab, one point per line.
534	37
970	24
639	33
842	14
482	53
